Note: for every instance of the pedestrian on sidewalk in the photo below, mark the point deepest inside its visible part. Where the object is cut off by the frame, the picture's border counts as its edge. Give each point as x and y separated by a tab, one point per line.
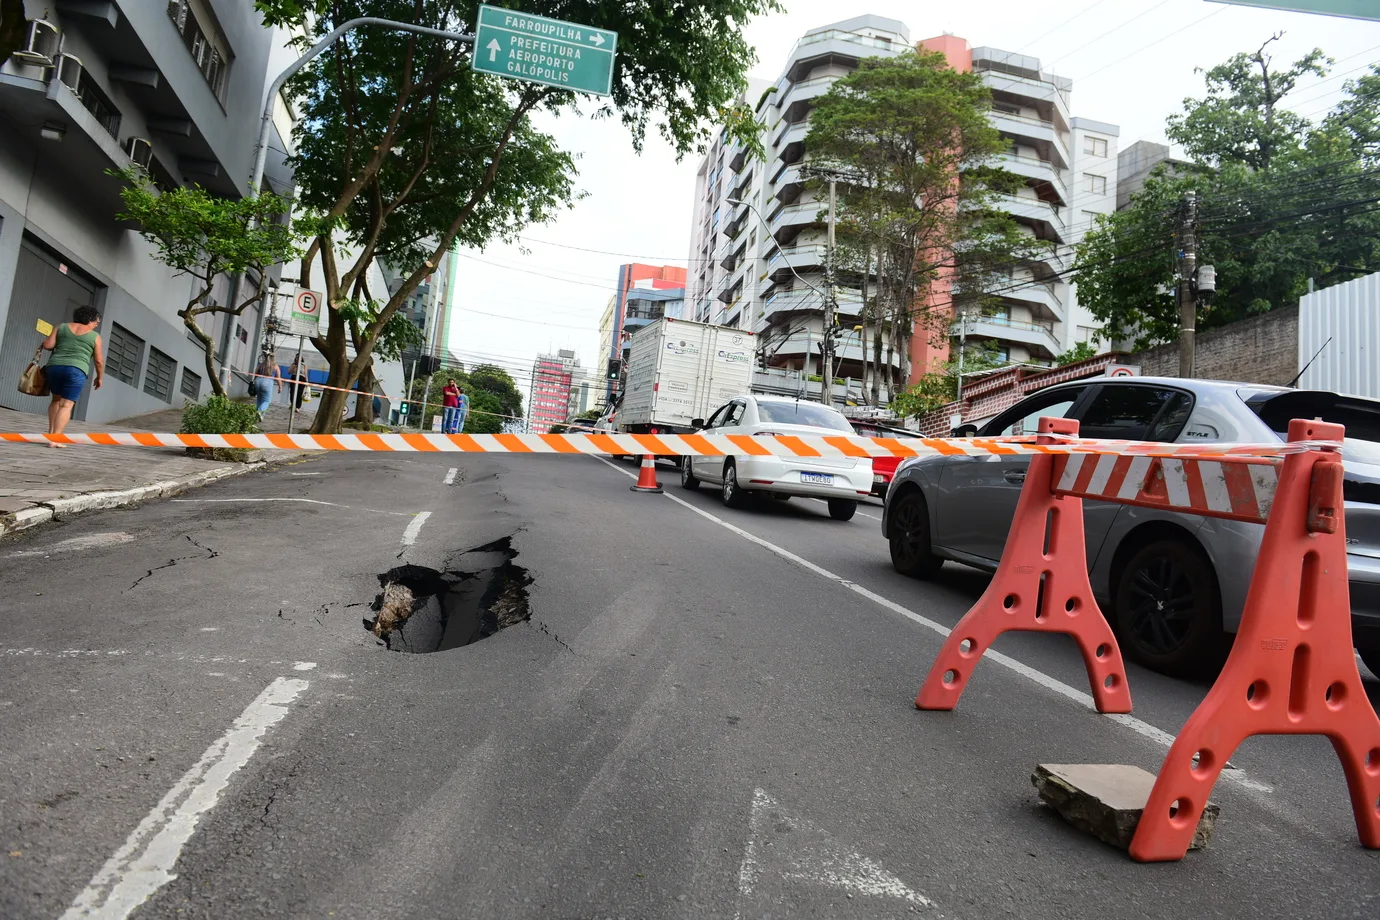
463	411
298	375
450	407
76	348
266	378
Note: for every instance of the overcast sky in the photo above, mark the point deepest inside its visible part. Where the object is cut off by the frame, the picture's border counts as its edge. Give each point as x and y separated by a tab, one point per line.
1131	62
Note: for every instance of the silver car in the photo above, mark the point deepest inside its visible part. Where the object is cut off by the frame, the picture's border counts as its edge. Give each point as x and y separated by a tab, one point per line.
1171	584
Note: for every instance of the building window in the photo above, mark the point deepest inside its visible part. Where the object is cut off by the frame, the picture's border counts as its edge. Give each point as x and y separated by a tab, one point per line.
98	104
158	380
1095	145
1097	185
124	354
1089	220
1006	108
191	384
211	56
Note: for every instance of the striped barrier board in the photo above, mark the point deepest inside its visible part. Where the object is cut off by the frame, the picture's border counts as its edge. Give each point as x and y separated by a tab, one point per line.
1240	490
671	445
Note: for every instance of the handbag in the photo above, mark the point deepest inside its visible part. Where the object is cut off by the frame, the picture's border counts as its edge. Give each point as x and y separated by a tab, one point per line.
34	381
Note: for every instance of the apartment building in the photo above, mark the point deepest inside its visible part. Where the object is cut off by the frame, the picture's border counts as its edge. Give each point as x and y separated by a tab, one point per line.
614	328
758	244
548	402
174	86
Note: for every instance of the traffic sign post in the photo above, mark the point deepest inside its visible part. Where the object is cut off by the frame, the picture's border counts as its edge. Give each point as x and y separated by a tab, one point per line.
520	46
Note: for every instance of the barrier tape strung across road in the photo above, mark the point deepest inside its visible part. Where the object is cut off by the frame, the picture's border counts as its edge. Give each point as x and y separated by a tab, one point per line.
670	445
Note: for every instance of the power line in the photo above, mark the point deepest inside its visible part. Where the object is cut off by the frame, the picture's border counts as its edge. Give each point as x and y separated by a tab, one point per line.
1109	32
1126	57
1082	12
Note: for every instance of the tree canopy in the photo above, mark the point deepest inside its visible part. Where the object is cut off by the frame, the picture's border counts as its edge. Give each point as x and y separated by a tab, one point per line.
1281	199
408	151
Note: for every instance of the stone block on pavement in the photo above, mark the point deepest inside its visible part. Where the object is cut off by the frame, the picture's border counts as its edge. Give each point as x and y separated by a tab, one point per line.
1106	800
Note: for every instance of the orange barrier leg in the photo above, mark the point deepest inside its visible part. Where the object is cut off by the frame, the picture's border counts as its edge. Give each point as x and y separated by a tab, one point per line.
1291	669
1041	585
646	476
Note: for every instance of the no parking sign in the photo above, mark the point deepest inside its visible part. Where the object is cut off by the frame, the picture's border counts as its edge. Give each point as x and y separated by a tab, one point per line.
306	313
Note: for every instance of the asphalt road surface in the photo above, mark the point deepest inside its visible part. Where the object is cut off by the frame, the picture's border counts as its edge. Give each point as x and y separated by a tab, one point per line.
707	714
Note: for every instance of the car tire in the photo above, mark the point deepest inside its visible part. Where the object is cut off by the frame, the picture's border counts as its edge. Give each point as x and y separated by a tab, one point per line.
1166	609
911	554
687	478
1371	657
842	509
732	493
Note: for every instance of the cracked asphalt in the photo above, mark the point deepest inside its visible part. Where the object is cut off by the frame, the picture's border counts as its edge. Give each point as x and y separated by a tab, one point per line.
689	725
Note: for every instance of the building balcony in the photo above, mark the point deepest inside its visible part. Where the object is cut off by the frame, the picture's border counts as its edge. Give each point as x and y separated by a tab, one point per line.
1039	336
802	259
1041	95
785	303
796	100
789	184
1038	170
1044	217
838	46
1042	299
787	223
1044	136
790	141
737	156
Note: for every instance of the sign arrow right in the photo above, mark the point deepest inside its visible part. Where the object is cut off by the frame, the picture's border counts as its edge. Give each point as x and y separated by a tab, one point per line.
494	48
597	39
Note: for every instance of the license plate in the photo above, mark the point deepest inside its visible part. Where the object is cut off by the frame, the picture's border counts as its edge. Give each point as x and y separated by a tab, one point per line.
878	477
821	478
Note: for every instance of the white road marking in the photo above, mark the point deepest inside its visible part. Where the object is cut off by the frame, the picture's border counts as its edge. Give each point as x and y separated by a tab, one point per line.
302	501
145	862
410	535
89	654
450	475
303	665
210	629
75	544
306	474
1142	728
809	854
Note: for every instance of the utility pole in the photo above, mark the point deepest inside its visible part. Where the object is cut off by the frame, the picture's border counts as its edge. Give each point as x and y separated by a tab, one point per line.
962	331
830	304
1185	292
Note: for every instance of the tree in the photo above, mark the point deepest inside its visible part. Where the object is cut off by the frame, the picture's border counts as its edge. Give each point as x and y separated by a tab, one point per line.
205	236
1281	201
911	138
939	387
494	397
1080	352
398	335
408	151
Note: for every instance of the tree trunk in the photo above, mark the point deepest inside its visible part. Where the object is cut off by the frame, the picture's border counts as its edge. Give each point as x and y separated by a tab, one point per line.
364	403
208	346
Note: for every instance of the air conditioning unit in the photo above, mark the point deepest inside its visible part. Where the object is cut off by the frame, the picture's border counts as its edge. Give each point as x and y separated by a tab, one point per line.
69	70
140	151
41	45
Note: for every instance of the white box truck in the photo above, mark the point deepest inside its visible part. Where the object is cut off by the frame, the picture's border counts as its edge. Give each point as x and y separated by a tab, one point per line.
678	371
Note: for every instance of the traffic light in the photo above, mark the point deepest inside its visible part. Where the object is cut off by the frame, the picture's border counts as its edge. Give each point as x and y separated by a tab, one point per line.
402	408
615	368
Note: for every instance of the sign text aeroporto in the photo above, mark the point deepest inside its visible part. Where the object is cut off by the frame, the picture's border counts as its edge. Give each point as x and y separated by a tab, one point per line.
509	43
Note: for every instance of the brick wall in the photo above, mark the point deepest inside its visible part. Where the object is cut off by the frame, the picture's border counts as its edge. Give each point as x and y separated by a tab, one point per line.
1262	349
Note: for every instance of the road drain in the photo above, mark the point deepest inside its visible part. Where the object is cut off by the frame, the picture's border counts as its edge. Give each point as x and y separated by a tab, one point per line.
423	610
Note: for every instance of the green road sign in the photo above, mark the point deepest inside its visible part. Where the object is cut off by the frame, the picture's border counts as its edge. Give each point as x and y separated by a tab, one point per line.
1354	9
526	47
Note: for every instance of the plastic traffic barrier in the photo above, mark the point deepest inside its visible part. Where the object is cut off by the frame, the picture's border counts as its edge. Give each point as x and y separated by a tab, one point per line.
1041	585
646	476
1291	670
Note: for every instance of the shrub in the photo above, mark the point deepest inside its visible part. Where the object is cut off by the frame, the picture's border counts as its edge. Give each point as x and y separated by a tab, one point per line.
220	415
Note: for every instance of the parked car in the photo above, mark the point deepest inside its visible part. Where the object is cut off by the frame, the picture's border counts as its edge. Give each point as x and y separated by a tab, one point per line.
838	480
883	468
1170	583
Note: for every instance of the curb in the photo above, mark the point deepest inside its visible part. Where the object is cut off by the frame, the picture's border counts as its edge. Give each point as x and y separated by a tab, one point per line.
99	501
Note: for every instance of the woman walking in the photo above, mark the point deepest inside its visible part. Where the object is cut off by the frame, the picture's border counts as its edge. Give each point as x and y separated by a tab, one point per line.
298	374
76	348
266	377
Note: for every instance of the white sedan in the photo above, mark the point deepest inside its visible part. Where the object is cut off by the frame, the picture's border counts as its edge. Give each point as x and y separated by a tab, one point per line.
840	481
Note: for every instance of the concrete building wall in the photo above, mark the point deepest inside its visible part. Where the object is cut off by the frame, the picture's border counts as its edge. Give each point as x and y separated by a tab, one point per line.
1096	171
1262	349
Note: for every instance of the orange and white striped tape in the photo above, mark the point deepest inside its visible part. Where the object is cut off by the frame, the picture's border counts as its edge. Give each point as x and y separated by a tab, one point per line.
671	445
1242	490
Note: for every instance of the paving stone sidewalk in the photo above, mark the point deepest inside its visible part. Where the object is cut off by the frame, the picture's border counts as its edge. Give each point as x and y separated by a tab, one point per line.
38	483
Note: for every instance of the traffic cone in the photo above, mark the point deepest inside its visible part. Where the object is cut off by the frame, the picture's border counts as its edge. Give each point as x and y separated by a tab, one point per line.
646	478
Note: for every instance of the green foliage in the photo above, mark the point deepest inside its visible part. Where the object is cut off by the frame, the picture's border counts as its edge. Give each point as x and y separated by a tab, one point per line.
939	387
900	131
589	415
219	415
204	236
1280	200
397	335
494	381
1080	352
406	151
494	397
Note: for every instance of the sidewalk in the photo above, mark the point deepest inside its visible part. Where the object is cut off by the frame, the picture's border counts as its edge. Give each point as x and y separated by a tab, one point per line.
38	483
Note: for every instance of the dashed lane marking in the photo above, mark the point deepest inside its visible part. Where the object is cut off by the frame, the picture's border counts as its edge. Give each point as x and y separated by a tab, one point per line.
450	475
1144	729
414	528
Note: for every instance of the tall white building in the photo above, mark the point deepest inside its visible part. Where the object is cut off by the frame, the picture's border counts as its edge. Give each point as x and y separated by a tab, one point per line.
758	245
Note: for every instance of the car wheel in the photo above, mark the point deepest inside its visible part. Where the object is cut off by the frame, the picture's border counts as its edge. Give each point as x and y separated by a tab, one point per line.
687	478
1166	610
842	509
1371	656
733	494
910	538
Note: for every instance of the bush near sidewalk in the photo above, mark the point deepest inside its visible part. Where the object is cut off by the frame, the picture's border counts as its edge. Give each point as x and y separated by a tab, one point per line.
221	415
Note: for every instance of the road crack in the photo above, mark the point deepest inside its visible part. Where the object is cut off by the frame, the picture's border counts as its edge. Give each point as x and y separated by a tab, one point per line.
210	554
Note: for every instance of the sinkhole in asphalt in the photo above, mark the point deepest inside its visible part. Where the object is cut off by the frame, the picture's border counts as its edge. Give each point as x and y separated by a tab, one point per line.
421	610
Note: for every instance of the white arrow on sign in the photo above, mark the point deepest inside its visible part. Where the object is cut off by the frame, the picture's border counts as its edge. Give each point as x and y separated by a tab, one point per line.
494	47
597	39
782	846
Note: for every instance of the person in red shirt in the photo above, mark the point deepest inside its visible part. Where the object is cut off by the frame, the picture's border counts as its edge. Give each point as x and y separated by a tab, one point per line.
450	407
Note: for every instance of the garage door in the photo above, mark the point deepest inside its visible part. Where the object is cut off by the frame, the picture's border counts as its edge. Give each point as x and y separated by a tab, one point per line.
42	291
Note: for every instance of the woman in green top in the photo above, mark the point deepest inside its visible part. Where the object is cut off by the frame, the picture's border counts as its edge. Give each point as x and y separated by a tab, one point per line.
76	348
